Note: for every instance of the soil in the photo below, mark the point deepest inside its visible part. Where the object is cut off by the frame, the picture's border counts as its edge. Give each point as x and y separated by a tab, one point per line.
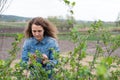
65	45
11	30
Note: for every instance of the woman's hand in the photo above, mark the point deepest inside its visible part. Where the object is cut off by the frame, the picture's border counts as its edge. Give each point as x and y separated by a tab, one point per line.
44	59
32	58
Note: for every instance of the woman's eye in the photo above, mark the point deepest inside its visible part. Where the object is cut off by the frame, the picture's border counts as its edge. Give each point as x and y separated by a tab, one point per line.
34	31
39	30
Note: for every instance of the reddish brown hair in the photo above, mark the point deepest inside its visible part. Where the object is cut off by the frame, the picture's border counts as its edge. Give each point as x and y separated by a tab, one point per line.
49	28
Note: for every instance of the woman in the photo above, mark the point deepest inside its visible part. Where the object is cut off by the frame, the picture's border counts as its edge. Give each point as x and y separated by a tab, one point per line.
41	36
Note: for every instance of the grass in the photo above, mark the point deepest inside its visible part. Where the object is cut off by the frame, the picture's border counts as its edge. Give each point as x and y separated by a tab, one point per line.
62	36
8	34
12	24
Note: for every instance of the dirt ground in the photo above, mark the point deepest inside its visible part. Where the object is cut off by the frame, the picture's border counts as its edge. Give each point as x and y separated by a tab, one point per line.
65	46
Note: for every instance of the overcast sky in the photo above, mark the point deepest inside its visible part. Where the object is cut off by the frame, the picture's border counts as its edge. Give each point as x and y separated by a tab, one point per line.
106	10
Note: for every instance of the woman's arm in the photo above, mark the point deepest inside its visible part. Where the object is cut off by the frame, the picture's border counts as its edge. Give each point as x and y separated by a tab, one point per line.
25	51
52	60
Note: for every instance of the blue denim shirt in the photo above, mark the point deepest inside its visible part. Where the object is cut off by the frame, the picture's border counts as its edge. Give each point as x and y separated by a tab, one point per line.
31	45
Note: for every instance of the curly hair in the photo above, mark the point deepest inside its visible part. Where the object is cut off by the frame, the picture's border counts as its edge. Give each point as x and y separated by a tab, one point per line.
49	28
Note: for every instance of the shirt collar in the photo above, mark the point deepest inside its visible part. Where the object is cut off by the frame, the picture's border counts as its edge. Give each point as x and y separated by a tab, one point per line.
43	41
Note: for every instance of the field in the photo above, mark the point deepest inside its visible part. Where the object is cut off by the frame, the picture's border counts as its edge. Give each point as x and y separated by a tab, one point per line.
74	62
65	45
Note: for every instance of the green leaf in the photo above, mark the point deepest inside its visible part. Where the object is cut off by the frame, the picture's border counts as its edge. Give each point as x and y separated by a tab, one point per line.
73	3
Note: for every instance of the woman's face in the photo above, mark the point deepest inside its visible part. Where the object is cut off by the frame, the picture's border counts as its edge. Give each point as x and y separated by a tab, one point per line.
37	31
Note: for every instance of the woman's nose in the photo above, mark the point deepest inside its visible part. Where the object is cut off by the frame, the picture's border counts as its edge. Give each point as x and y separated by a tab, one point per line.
37	33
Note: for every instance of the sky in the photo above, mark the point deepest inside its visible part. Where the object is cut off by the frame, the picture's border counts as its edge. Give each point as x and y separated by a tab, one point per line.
89	10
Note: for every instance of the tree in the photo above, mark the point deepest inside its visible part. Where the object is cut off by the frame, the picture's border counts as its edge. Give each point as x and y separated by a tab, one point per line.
4	4
118	20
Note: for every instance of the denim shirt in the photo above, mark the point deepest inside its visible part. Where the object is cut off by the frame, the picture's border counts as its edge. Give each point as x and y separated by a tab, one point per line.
44	47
